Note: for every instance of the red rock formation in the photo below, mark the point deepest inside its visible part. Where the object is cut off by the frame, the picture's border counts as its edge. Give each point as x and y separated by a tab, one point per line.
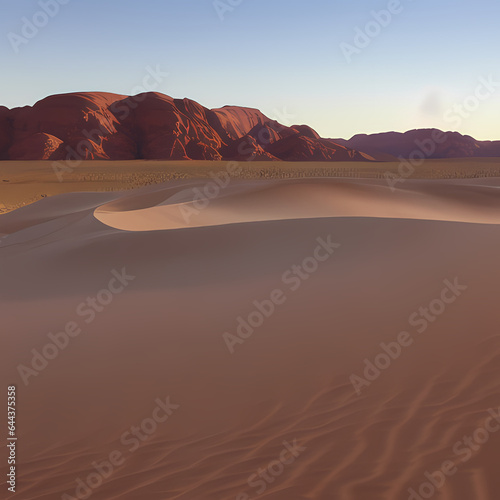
166	128
431	143
97	125
237	122
306	131
271	132
5	132
82	123
246	149
302	148
39	146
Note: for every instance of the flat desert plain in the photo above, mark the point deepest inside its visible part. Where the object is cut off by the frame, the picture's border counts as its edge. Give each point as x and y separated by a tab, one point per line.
24	182
284	339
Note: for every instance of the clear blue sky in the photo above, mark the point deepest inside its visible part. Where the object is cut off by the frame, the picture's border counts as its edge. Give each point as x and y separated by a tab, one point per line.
282	56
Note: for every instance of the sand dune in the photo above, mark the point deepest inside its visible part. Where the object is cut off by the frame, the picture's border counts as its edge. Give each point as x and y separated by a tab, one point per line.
189	204
282	404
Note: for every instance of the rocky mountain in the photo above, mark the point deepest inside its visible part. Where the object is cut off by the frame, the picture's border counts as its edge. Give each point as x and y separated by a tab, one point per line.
429	143
97	125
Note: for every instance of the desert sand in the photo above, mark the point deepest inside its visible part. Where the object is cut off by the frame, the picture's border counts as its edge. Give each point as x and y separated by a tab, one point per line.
326	270
25	182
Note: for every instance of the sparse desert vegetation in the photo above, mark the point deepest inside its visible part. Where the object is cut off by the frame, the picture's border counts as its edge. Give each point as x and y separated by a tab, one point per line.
24	182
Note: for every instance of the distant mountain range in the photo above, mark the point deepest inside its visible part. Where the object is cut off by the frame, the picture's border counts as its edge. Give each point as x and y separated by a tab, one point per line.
427	143
98	125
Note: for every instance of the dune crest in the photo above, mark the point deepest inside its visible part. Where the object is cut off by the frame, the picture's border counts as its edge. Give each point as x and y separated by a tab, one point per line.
183	206
245	329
